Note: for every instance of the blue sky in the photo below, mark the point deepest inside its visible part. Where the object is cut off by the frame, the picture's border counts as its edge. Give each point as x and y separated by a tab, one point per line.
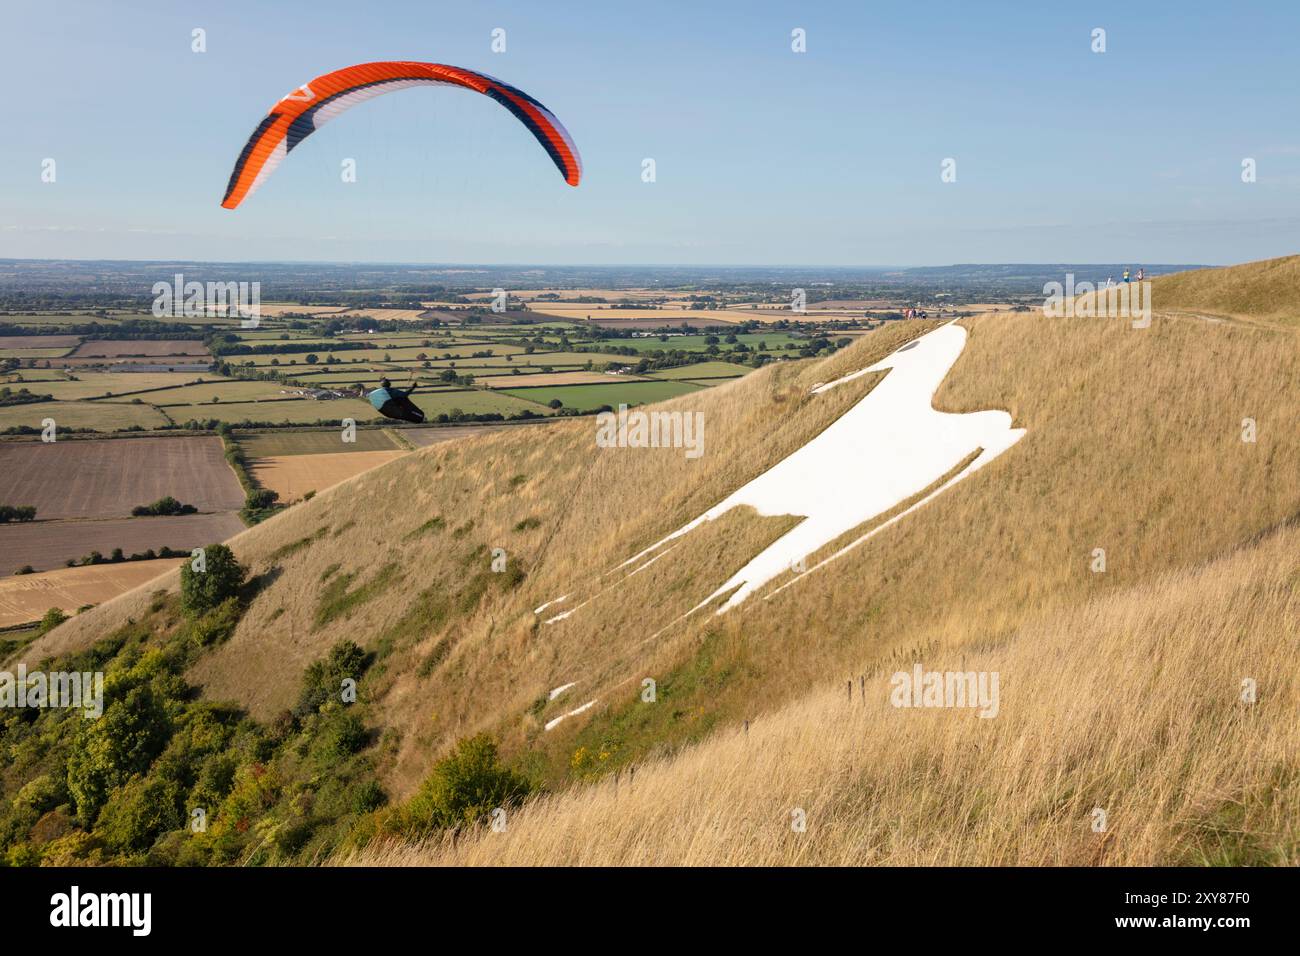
763	156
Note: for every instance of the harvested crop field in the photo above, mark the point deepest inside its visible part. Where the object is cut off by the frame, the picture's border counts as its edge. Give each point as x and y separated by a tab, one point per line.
46	545
28	597
292	476
107	478
277	444
423	437
117	348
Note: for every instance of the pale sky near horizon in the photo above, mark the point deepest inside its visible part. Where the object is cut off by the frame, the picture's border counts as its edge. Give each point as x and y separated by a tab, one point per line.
763	156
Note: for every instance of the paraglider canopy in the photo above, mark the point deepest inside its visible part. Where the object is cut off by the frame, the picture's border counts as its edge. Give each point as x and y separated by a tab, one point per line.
310	106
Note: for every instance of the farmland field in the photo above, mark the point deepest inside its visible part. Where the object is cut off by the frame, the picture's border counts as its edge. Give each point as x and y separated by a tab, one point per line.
356	356
100	416
585	397
701	370
664	316
32	353
226	390
108	477
38	341
533	379
280	444
28	597
295	475
100	384
46	545
768	341
291	411
473	402
116	348
423	437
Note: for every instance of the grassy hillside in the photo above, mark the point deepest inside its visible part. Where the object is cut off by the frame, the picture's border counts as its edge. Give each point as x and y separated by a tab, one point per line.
1134	446
1130	703
1258	291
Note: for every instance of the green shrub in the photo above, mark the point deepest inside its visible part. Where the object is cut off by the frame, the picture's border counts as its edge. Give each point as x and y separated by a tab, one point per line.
323	679
346	735
368	796
163	506
463	788
216	625
223	576
138	813
52	619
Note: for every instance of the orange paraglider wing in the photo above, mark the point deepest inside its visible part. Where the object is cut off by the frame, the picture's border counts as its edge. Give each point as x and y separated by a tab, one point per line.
310	106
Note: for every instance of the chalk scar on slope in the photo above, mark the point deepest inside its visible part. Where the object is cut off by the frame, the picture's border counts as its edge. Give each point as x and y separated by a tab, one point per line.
889	447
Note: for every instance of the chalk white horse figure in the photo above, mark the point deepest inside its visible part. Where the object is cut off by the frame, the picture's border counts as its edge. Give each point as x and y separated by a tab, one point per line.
891	446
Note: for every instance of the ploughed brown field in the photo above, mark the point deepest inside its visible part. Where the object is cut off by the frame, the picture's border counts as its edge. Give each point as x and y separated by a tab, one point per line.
115	348
106	478
46	545
38	341
28	597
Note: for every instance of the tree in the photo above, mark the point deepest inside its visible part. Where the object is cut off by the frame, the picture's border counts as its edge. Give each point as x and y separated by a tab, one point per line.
222	577
52	619
110	750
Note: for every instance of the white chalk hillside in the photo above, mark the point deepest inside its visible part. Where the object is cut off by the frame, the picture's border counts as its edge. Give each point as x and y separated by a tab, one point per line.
888	448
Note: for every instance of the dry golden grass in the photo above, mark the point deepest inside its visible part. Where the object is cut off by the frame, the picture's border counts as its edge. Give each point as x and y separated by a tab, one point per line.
1131	703
1133	445
1256	292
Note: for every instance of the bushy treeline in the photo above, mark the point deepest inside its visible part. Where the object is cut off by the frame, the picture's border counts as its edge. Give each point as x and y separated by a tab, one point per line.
116	556
164	777
21	396
17	513
166	505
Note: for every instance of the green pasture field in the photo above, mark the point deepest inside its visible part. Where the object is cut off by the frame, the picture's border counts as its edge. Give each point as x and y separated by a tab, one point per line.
701	370
120	384
475	402
227	390
293	411
101	416
585	397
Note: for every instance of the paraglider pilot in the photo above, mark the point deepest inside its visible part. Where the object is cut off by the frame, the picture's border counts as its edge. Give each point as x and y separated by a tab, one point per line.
396	403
